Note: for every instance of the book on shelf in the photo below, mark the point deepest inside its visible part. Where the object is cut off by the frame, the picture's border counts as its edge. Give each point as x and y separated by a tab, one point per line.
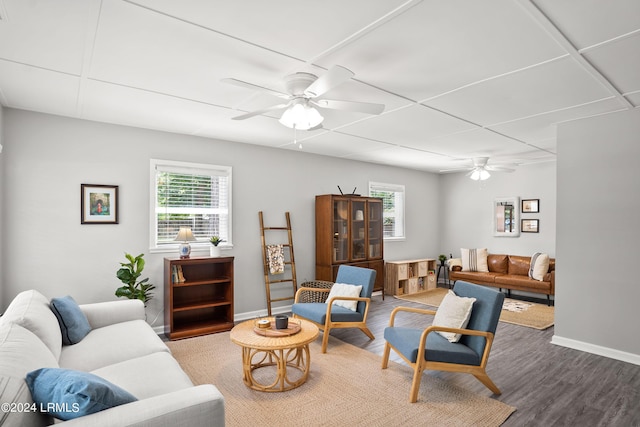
177	275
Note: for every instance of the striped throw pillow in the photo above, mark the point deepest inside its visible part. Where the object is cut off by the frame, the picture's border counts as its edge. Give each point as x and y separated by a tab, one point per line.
474	260
539	266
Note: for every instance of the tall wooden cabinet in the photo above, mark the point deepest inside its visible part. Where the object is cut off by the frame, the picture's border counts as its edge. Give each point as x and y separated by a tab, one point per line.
349	231
198	296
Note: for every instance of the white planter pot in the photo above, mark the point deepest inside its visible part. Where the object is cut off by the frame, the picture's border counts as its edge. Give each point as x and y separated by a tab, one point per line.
214	251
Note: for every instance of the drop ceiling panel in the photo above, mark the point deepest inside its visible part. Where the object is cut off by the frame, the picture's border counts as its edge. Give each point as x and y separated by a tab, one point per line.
474	143
35	89
550	86
336	144
588	22
47	34
436	47
147	50
400	156
299	29
543	126
133	107
619	62
409	126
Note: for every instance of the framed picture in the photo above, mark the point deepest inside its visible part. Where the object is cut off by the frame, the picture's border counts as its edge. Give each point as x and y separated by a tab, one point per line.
98	204
530	226
530	205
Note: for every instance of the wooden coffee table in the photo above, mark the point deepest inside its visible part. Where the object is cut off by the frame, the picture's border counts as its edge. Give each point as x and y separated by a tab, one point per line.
291	350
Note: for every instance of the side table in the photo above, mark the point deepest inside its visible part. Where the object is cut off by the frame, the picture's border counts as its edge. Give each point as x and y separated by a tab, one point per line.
446	274
281	352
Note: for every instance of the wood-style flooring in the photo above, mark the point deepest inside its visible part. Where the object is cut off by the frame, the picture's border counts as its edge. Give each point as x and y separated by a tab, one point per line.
548	384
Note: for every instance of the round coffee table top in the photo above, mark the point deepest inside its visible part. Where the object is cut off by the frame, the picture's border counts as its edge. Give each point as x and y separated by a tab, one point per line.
244	335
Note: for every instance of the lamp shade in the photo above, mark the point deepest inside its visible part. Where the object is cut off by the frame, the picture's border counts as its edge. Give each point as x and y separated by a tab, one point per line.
185	235
301	116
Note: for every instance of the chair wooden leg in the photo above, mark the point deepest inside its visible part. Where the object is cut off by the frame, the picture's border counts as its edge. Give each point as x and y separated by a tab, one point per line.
484	379
368	333
415	384
385	356
325	340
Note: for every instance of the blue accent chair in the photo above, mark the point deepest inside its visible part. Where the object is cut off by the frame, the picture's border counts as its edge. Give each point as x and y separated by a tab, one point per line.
424	349
327	316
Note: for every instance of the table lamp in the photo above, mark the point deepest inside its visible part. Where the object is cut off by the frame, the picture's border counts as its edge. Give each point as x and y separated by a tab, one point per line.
185	236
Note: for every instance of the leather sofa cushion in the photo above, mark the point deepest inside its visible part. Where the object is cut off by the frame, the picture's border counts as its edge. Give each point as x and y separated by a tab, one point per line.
498	263
522	282
474	276
519	265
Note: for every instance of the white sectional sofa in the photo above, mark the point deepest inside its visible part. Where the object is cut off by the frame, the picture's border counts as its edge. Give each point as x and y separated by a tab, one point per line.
121	348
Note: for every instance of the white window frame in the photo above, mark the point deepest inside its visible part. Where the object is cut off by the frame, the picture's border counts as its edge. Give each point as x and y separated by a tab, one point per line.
399	191
185	167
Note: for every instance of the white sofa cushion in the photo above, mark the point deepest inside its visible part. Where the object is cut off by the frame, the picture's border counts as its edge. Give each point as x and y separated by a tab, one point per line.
112	344
147	376
30	309
21	351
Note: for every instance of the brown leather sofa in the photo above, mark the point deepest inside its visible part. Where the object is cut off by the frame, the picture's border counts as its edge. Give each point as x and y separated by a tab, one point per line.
510	272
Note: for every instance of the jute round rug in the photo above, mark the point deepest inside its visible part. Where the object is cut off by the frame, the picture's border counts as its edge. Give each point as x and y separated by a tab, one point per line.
527	314
346	386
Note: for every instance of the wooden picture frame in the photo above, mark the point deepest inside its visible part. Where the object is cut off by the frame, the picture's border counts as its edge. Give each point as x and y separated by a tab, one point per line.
530	226
530	205
98	204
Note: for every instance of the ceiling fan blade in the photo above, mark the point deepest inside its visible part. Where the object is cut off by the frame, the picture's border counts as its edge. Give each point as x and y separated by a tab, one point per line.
456	170
360	107
259	112
332	78
251	86
499	169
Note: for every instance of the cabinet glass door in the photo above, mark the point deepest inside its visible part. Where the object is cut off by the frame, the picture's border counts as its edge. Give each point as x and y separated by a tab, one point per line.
340	230
374	217
358	230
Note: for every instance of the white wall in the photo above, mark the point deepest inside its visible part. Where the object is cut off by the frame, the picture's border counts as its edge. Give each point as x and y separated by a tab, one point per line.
598	235
466	210
48	157
1	198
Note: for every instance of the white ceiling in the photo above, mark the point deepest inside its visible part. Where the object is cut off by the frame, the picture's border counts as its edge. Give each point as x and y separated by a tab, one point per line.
458	78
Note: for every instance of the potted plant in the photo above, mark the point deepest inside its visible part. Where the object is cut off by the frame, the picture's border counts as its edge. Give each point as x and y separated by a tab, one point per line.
442	258
214	250
128	274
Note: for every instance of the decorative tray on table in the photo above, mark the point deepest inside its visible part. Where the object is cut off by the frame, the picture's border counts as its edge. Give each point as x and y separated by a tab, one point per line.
261	327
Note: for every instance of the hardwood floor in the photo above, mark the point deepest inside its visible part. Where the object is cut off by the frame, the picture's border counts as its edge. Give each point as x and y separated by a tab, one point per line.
548	384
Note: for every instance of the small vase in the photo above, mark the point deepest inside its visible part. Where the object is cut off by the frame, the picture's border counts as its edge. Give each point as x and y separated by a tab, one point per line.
214	251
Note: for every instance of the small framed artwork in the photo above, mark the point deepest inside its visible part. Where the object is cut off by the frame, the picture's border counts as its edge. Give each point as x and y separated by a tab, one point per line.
530	226
530	205
98	204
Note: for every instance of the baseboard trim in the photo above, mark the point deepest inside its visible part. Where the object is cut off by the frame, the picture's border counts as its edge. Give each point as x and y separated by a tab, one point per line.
596	349
239	317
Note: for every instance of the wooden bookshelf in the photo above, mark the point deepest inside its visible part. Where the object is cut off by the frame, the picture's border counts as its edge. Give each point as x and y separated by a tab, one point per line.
198	296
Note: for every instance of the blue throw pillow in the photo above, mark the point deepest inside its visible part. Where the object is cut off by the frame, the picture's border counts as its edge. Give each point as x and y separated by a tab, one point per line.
73	323
67	394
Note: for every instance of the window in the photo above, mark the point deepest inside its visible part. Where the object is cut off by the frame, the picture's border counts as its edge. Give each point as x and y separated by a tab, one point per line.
392	196
189	195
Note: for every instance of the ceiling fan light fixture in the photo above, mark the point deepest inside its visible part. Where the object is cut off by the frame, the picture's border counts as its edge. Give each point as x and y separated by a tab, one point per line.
301	116
480	175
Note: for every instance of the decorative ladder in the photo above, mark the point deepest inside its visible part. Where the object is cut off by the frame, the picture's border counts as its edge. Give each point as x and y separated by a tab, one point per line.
268	277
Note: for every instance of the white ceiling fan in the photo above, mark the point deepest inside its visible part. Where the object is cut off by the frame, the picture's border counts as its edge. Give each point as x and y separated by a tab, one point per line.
480	169
304	93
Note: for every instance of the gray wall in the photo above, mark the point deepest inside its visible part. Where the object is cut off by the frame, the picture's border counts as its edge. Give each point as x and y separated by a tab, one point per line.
466	209
1	198
598	235
48	157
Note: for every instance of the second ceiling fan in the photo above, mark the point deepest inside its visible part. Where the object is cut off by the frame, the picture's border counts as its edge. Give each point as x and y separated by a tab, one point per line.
303	94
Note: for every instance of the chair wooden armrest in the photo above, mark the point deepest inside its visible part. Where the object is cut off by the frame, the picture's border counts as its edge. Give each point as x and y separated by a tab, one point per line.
409	310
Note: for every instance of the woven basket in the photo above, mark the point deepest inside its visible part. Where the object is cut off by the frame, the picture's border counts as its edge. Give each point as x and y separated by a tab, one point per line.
307	296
